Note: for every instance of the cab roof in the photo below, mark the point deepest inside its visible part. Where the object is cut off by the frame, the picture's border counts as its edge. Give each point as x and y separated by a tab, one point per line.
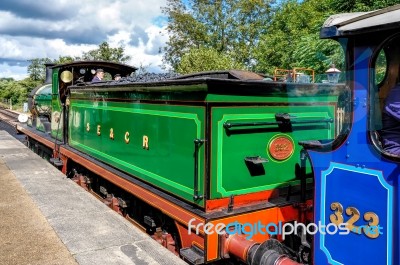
348	24
111	67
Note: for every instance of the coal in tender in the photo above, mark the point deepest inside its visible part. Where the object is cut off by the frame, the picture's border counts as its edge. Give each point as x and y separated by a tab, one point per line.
146	78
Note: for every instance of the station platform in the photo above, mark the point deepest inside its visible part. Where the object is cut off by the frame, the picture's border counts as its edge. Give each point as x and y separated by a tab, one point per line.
47	219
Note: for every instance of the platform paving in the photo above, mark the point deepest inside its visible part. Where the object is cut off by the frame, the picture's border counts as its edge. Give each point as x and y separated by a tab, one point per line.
47	219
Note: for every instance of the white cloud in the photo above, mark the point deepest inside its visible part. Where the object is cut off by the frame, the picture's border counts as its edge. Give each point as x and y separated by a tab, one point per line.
27	33
10	48
157	38
16	72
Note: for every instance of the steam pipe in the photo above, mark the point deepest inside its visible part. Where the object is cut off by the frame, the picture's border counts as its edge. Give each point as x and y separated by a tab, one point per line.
239	246
253	253
284	260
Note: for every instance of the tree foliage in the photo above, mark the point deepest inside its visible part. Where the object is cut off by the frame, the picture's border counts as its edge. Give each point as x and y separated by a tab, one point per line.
106	53
292	39
17	91
206	59
227	26
65	59
36	69
258	35
360	5
261	35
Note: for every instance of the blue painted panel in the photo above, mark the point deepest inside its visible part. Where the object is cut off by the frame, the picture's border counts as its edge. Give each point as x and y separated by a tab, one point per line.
367	191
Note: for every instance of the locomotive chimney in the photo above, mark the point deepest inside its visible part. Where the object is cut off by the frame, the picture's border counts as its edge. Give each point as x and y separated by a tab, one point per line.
48	72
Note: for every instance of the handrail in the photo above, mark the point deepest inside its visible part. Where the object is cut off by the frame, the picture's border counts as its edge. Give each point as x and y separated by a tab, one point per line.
228	125
280	73
296	69
293	74
197	144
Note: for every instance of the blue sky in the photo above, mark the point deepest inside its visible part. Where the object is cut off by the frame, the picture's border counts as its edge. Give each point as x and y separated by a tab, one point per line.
52	28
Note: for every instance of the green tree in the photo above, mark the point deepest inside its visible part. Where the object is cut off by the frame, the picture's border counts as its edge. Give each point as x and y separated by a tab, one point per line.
7	79
184	30
37	69
292	38
360	5
227	26
312	52
65	59
17	91
206	59
106	53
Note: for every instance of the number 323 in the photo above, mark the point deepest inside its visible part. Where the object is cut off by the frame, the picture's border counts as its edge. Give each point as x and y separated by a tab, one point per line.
371	230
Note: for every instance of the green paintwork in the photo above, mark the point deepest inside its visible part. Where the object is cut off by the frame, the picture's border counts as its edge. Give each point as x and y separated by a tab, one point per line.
40	126
171	131
56	127
43	99
43	102
30	122
173	116
230	175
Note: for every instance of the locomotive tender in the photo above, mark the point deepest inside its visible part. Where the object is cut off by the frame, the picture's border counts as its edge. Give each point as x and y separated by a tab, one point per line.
227	166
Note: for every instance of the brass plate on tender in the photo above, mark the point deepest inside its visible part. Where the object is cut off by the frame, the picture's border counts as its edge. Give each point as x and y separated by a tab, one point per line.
66	76
281	148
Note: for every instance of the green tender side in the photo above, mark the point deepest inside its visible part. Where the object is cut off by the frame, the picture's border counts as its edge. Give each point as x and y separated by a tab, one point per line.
167	161
171	118
230	174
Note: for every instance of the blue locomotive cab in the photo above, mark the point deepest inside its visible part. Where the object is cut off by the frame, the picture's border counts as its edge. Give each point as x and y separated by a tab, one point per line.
356	180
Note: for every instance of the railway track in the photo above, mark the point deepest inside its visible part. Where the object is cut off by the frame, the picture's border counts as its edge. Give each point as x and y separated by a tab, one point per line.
8	115
9	121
